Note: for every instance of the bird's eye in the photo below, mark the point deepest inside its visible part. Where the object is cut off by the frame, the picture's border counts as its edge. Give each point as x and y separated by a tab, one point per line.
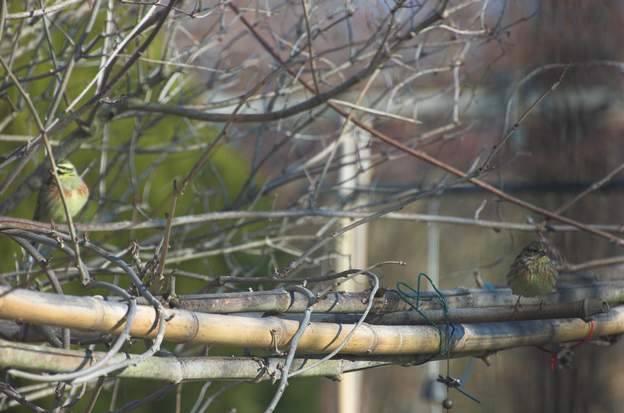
63	168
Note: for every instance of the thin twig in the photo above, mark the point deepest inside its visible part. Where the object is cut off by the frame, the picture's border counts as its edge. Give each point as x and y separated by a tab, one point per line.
293	348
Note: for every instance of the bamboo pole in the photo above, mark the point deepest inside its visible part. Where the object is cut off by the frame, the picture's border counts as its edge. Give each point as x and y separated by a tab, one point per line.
387	301
41	358
584	309
91	313
172	369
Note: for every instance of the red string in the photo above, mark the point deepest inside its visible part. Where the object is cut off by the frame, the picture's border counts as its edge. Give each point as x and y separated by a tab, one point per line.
590	334
592	330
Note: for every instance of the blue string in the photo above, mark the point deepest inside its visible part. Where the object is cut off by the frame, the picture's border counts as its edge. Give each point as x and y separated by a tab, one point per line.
413	296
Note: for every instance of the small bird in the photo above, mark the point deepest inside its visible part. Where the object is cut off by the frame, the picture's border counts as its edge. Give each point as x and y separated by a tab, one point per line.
49	202
533	272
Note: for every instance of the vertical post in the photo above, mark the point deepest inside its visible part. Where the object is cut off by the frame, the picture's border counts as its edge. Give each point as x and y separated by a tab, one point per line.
353	247
433	271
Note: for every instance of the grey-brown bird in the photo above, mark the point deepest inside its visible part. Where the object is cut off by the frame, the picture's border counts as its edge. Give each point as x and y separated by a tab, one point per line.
533	272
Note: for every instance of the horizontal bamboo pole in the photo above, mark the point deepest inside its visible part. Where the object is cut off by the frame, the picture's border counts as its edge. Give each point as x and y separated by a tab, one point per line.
282	301
41	358
96	314
584	309
172	369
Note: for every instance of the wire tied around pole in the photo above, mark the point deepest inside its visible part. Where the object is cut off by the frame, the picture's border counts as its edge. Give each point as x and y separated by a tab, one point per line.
412	297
